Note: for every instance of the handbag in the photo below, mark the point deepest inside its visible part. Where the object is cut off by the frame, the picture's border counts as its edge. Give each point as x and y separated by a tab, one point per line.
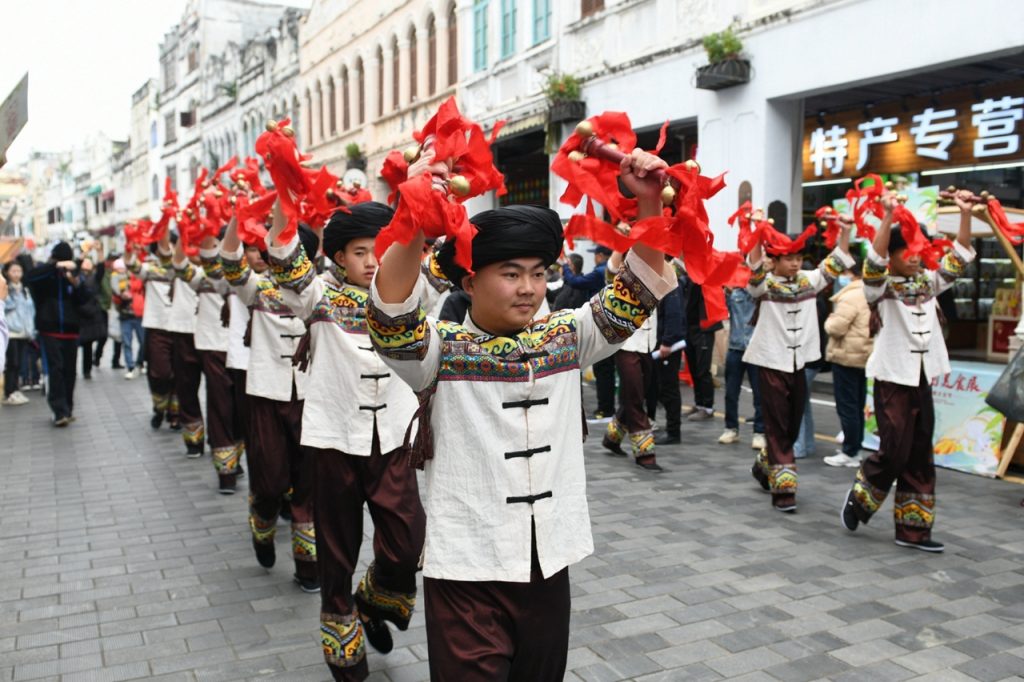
1007	395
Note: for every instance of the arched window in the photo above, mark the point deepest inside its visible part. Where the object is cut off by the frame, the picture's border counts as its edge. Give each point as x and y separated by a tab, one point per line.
396	74
453	46
361	90
346	122
380	81
309	116
332	107
431	55
508	27
413	64
320	110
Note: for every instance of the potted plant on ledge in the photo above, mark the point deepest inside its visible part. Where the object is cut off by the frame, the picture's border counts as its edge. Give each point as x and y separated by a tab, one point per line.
355	156
563	93
726	66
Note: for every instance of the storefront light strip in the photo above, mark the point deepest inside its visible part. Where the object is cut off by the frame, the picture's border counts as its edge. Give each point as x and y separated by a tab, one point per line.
967	169
821	183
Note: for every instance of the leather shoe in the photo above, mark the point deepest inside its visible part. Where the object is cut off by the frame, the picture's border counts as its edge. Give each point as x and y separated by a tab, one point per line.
666	439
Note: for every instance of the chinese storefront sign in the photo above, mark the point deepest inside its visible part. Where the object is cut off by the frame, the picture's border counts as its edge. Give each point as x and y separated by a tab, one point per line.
968	432
962	127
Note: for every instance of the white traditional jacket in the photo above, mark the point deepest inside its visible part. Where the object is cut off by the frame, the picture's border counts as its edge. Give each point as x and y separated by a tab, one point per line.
208	283
508	426
158	275
350	390
184	302
910	341
275	332
786	335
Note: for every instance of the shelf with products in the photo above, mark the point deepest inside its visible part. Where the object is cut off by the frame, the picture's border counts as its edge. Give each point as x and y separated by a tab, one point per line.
980	287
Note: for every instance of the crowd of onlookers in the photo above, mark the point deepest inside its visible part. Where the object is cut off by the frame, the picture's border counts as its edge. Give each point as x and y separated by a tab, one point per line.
62	309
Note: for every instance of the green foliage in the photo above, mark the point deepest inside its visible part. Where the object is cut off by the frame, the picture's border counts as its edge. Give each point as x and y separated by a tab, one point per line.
721	46
229	89
353	151
562	87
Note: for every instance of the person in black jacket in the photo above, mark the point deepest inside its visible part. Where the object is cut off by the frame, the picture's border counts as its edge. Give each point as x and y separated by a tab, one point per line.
700	344
57	289
665	386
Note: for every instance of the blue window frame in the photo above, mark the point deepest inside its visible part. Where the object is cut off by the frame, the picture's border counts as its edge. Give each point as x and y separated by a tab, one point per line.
508	28
480	35
541	20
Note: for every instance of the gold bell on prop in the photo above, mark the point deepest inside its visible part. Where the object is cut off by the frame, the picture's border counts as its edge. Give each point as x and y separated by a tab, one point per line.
288	131
411	153
668	195
271	126
576	156
771	221
585	129
612	145
692	165
459	185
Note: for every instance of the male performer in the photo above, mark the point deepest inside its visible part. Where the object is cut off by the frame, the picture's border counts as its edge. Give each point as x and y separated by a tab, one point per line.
353	426
909	352
276	390
158	276
785	339
211	342
636	372
506	489
188	370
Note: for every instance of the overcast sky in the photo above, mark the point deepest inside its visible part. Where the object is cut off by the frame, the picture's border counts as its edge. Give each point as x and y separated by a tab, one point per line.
85	58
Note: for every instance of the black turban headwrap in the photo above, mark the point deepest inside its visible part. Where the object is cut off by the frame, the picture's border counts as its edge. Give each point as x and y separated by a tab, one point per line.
365	220
310	242
505	234
62	251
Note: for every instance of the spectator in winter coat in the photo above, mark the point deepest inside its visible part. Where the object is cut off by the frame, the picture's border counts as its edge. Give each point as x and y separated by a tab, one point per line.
58	290
20	312
664	389
741	312
849	346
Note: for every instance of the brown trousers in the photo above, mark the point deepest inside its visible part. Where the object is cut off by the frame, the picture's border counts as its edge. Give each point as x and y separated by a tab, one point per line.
188	372
277	464
160	371
906	422
636	374
783	395
496	631
222	432
388	486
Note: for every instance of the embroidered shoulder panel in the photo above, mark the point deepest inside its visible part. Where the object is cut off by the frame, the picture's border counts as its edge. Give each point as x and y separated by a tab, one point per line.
270	299
795	291
344	306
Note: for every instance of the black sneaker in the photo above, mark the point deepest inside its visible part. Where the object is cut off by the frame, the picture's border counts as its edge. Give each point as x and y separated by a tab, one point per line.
759	476
378	635
924	545
612	447
156	420
265	554
666	439
786	507
193	451
227	484
848	514
307	585
649	465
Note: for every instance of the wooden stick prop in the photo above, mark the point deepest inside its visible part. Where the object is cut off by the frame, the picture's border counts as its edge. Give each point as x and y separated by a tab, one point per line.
989	209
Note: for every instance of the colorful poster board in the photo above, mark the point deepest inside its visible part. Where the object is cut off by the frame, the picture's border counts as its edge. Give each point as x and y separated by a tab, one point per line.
968	432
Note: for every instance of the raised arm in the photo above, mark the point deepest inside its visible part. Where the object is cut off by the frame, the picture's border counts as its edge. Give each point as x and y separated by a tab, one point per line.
236	269
292	269
954	261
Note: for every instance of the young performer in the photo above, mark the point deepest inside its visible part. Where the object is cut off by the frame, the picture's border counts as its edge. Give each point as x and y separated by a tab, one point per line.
506	495
908	353
157	274
211	342
188	370
785	339
353	427
276	390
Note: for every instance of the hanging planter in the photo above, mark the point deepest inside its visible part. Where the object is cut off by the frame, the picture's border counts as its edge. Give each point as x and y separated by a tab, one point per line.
354	156
567	110
723	74
725	67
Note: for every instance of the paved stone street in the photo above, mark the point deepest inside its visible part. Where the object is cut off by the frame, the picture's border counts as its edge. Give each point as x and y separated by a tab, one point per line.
118	560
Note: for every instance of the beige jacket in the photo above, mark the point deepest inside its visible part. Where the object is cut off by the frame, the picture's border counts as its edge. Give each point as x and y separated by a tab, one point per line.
848	327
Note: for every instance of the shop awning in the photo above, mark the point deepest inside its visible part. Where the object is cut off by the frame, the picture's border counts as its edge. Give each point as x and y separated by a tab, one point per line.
94	190
108	195
528	124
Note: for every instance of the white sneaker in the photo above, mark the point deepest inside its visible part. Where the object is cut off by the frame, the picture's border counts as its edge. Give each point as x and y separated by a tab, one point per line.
758	442
688	409
729	436
130	374
15	398
841	459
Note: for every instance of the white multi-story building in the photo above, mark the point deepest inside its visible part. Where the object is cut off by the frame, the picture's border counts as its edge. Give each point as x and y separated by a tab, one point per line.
144	153
197	79
372	72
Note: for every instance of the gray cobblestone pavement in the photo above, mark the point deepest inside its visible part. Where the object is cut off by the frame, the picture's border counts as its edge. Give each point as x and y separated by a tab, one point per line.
119	561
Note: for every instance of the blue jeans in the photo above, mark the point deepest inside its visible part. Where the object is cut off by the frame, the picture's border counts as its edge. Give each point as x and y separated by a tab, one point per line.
850	388
132	324
804	445
735	368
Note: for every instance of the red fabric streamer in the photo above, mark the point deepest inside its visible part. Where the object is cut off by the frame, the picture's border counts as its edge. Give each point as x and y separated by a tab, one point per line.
226	168
865	199
778	244
1012	231
395	171
828	216
250	173
283	161
252	218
